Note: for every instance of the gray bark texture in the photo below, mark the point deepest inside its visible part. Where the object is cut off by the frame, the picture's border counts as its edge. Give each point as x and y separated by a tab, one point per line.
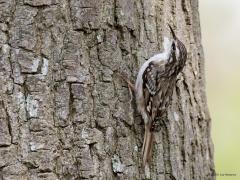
64	111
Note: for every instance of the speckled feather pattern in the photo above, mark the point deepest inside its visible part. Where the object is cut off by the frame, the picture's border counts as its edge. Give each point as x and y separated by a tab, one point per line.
157	77
154	87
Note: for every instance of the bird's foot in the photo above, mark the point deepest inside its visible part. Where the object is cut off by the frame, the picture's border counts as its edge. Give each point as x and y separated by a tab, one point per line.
158	123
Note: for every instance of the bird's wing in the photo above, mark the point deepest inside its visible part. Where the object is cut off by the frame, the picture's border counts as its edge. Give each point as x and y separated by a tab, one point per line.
152	83
151	77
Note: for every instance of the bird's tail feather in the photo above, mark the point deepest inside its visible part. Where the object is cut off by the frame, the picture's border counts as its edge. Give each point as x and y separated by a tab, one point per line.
147	145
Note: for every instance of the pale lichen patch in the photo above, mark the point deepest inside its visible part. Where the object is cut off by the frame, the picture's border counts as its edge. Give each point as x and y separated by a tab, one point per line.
5	48
35	64
136	148
84	134
35	146
20	98
117	166
45	67
176	116
99	38
32	106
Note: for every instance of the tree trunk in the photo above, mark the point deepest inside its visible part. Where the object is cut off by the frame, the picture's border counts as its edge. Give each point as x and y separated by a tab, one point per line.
65	111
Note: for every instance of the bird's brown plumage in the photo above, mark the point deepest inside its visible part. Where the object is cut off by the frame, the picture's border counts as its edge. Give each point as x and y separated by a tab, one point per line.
159	80
157	97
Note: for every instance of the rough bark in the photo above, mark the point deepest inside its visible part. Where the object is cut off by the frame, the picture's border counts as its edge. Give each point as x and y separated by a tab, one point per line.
64	111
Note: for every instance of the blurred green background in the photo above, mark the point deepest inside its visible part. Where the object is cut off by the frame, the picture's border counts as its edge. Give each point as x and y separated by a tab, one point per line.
220	23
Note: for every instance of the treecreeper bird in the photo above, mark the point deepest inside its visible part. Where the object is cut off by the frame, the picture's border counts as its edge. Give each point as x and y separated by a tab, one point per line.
154	87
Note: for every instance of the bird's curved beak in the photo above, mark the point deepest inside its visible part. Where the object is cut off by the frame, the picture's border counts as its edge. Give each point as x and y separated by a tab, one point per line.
173	33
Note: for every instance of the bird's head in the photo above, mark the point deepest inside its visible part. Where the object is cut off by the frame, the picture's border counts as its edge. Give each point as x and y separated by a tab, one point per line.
175	44
178	49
